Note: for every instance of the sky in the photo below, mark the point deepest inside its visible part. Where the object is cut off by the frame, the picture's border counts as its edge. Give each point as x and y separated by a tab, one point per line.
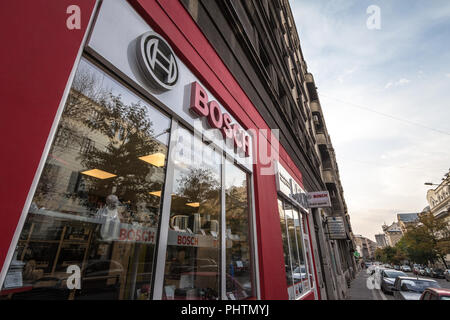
385	95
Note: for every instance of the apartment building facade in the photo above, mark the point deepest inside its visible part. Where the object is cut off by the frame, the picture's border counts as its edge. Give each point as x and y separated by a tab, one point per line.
439	202
381	240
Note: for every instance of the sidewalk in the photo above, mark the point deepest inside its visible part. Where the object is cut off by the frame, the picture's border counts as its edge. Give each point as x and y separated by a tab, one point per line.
358	288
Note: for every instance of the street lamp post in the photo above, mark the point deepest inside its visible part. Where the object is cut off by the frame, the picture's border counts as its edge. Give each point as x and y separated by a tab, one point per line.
434	184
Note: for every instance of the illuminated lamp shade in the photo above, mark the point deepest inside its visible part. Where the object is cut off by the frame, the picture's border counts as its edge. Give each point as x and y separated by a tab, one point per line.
156	159
99	174
156	193
193	204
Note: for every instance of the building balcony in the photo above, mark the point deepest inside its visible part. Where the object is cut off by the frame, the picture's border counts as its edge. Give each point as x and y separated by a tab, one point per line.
328	175
337	206
309	77
321	138
315	107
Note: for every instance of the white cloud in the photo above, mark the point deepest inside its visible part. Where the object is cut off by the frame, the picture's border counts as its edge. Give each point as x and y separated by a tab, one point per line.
345	74
399	83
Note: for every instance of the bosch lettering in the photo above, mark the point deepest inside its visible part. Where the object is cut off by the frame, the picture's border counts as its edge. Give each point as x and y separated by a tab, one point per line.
202	107
187	240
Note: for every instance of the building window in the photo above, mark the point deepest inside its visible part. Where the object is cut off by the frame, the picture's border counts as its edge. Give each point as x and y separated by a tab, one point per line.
193	246
239	262
286	250
87	146
63	137
295	248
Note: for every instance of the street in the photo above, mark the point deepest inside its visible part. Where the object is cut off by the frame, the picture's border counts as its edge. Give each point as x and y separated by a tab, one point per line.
360	291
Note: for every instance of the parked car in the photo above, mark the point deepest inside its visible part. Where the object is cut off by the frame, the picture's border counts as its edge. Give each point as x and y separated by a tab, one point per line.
438	273
421	271
300	273
396	267
409	288
388	279
435	294
427	272
447	274
405	268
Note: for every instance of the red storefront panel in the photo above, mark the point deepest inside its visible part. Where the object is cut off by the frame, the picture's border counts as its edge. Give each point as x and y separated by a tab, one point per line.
37	55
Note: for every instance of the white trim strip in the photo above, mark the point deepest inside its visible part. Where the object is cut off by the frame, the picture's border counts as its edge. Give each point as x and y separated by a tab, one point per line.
223	236
165	215
255	236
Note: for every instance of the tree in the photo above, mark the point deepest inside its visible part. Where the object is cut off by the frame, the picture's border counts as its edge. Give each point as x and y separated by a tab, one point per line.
428	241
393	255
380	256
390	253
102	130
438	231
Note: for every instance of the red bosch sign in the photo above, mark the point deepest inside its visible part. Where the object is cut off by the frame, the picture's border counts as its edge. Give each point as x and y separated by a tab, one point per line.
137	235
187	240
211	110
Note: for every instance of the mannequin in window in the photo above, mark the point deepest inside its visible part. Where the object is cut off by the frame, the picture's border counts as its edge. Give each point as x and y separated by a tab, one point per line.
111	218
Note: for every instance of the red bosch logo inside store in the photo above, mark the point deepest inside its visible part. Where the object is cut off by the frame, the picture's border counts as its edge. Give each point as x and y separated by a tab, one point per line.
130	234
218	120
187	240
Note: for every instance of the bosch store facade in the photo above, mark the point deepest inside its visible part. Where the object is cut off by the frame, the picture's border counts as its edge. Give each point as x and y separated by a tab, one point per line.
157	179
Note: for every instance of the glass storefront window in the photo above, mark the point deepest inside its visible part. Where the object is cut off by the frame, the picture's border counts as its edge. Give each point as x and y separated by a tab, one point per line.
91	229
307	248
286	249
239	263
192	268
94	223
295	255
301	272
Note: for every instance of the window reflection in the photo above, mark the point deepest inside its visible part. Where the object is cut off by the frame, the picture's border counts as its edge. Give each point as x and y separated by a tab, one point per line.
286	251
301	271
294	243
96	207
239	262
193	250
307	249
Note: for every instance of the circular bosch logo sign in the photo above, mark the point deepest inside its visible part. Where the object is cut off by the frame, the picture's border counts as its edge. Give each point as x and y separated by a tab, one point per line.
157	61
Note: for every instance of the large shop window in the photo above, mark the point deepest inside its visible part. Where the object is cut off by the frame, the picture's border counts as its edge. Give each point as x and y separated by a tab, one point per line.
194	251
239	263
296	250
92	227
192	268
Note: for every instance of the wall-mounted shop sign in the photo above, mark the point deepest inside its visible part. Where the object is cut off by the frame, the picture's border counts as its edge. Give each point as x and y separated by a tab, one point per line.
290	188
336	228
320	199
202	107
157	61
